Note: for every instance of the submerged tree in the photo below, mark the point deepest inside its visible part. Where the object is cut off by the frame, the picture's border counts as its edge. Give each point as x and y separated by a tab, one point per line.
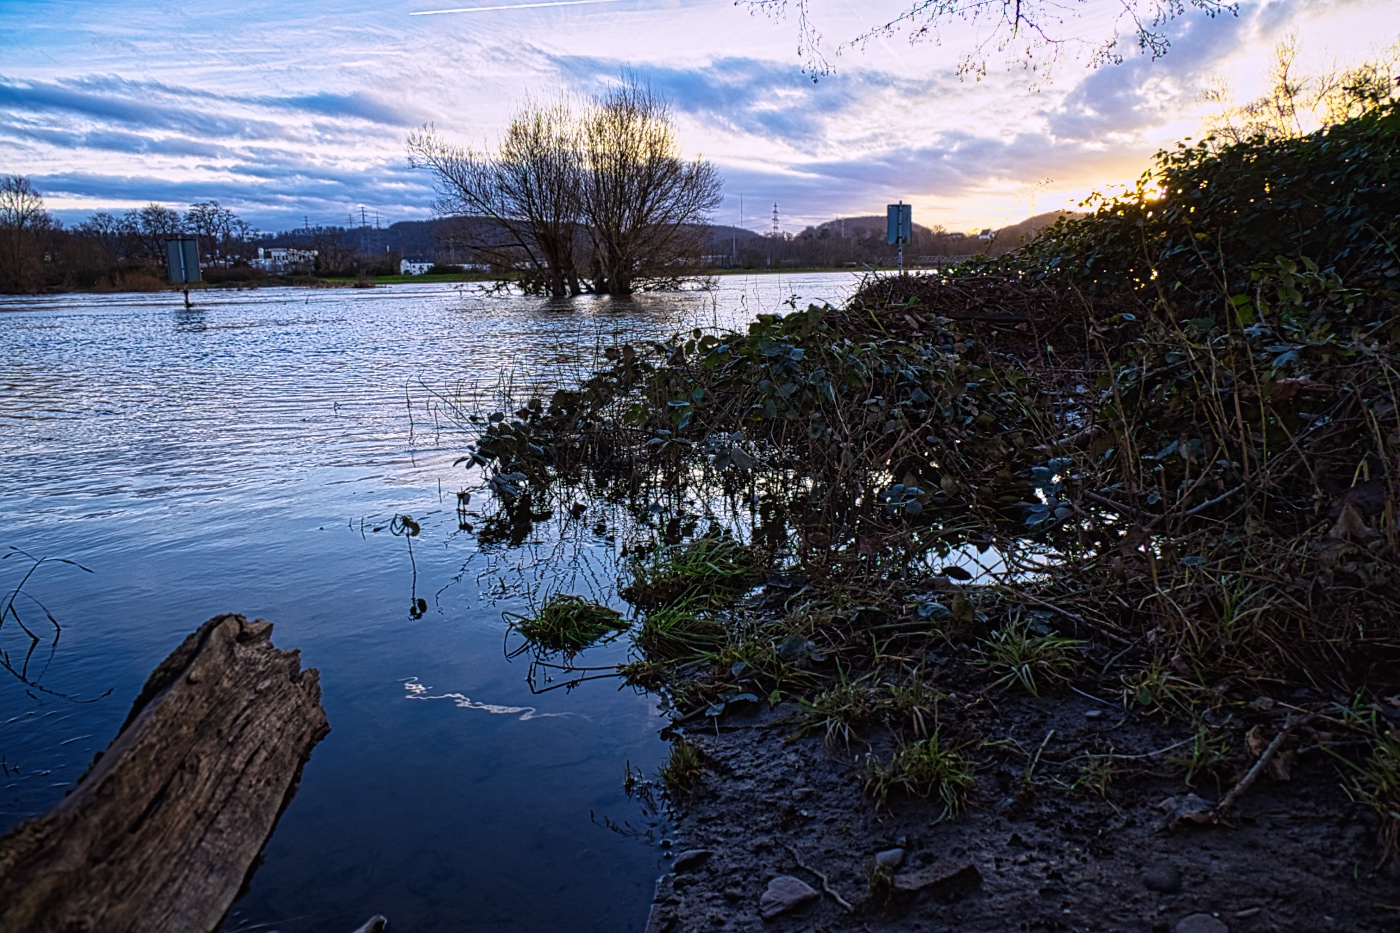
595	198
643	204
527	192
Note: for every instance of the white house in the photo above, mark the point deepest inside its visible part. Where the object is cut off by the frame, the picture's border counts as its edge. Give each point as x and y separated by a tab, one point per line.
409	266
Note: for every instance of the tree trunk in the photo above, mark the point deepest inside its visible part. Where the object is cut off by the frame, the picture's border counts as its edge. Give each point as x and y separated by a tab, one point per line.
159	834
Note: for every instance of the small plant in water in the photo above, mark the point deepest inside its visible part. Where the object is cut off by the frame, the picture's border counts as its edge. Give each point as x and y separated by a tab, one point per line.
684	768
1029	658
568	624
684	630
924	769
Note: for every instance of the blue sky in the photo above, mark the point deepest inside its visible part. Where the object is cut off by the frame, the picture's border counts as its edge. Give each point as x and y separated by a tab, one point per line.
289	111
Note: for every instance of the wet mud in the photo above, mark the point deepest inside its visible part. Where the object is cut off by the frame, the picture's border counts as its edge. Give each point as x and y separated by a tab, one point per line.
1028	854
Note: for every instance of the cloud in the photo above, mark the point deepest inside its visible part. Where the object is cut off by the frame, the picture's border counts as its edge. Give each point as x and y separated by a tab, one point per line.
1142	92
754	96
272	201
360	105
110	139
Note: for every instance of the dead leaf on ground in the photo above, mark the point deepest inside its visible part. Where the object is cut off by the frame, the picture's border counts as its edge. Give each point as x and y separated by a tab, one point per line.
1187	808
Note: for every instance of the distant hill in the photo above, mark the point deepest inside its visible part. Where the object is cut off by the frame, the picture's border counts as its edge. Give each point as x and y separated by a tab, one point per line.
844	242
1019	234
871	225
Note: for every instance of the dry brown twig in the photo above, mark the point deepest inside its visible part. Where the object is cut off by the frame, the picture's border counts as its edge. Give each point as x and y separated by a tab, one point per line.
826	884
1223	808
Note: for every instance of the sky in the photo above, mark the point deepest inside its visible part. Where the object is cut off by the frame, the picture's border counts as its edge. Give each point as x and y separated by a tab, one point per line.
295	113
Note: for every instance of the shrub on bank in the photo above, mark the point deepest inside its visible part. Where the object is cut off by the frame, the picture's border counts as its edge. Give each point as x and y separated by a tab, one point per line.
1175	421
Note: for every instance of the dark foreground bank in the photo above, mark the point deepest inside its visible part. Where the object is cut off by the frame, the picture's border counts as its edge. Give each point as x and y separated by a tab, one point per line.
1293	857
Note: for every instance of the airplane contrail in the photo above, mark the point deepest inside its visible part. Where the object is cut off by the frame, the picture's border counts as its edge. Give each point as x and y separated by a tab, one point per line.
512	6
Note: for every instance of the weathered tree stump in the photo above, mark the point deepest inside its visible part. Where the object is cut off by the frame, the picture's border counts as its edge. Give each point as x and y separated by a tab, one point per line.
159	834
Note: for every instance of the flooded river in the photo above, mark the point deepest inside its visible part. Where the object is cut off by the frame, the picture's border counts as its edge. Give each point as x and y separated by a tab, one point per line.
238	458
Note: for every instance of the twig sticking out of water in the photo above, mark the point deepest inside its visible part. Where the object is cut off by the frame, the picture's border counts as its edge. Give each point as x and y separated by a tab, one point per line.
8	612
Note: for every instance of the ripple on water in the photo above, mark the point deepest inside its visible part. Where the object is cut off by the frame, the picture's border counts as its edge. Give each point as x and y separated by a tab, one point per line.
223	459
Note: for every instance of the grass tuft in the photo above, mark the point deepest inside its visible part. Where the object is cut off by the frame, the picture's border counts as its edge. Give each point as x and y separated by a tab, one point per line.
841	708
569	624
710	570
923	769
1030	659
1377	786
681	631
684	769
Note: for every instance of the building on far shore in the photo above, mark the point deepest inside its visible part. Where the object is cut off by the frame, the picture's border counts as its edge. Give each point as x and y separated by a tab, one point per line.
284	259
414	265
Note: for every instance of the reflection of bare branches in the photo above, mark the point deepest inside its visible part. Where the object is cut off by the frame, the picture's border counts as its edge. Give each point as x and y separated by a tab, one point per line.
9	613
544	670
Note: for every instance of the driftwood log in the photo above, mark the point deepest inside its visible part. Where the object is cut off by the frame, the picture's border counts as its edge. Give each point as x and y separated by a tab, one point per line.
159	834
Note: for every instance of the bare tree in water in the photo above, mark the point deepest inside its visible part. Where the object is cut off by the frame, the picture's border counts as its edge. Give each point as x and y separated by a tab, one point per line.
644	206
594	199
517	207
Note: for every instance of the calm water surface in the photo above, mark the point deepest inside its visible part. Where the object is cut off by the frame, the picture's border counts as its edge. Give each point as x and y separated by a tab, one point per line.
237	458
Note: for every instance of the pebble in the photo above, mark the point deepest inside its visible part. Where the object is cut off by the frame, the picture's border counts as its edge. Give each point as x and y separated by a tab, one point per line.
890	858
1163	878
691	859
1201	923
944	877
1093	714
785	894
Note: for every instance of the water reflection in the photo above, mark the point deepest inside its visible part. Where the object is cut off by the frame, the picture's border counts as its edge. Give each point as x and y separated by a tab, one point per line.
231	473
191	320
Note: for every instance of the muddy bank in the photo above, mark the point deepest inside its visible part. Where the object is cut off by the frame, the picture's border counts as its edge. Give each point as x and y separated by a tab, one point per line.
1027	853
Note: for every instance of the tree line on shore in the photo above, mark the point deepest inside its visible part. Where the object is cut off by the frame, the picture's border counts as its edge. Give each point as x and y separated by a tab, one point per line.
126	251
120	251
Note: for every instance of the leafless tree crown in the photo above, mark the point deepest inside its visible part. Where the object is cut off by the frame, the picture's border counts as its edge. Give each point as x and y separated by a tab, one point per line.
592	197
1297	102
